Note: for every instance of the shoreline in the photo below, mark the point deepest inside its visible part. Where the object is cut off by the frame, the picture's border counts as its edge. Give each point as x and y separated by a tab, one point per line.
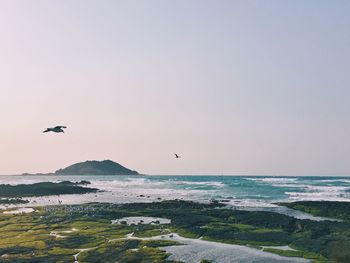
196	210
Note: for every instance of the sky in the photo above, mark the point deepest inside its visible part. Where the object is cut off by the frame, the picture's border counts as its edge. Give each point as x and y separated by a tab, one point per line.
234	87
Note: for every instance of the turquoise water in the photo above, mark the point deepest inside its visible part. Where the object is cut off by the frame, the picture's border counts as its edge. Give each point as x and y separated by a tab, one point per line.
265	188
256	191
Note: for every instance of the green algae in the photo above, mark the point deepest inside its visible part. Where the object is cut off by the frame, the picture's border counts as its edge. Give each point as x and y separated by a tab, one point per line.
57	233
330	209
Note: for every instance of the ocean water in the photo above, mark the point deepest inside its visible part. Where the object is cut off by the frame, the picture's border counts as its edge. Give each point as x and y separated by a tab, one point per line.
238	191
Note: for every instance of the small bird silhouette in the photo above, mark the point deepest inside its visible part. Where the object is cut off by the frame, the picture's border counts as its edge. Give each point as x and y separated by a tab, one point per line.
56	129
176	156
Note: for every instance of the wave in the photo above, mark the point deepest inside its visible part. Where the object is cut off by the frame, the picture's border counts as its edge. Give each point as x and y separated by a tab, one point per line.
326	188
334	181
237	191
319	196
289	185
273	179
217	184
314	187
132	183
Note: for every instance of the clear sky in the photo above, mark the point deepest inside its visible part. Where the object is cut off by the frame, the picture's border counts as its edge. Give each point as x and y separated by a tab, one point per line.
235	87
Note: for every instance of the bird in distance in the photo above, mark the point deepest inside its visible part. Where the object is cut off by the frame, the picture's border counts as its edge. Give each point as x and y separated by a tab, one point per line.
176	156
56	129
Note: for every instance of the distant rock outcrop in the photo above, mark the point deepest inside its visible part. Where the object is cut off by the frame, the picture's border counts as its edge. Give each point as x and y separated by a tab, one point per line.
106	167
42	189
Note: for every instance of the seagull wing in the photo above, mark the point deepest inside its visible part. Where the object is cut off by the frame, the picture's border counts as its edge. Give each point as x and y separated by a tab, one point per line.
60	127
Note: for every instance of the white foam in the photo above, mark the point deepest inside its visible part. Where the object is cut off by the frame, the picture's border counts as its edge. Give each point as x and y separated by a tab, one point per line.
288	185
273	179
321	193
319	196
217	184
320	188
334	181
133	183
130	189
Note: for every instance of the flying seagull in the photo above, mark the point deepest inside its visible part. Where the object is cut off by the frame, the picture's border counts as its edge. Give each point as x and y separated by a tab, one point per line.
56	129
176	156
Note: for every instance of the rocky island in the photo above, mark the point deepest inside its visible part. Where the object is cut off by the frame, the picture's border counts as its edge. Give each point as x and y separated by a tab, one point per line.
106	167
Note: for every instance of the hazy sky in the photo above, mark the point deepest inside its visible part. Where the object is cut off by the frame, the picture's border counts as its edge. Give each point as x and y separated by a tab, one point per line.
235	87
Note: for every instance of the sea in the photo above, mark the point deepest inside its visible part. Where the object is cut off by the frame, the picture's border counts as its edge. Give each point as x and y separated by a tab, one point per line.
245	192
261	193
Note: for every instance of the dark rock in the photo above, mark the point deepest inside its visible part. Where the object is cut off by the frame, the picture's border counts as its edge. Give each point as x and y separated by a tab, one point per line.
106	167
